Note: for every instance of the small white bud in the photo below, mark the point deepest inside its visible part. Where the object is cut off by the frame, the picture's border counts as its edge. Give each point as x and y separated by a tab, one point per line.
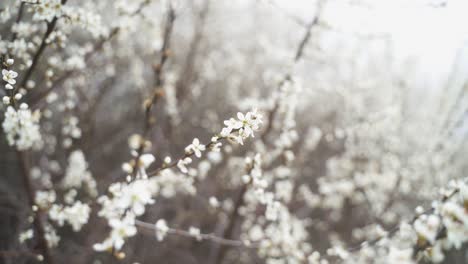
214	202
30	84
8	86
49	73
6	100
246	179
10	62
23	106
127	167
18	96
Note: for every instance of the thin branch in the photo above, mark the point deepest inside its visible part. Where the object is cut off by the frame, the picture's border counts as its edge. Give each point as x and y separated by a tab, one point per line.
37	214
18	19
206	237
157	93
395	229
58	83
233	217
297	56
40	50
17	253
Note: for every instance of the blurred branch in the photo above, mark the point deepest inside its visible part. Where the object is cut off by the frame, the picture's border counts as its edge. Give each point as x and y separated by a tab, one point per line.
187	71
40	50
229	230
17	253
37	213
58	83
207	237
298	54
158	90
395	229
288	15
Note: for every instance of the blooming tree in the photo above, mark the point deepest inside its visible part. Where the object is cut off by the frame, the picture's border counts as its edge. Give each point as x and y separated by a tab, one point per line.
149	130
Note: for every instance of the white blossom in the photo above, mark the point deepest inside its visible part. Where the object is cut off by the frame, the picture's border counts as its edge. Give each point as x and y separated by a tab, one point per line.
22	127
161	229
196	147
9	76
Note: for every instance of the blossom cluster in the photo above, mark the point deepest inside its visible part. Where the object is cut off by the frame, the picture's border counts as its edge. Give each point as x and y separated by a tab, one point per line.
127	201
427	237
22	127
331	158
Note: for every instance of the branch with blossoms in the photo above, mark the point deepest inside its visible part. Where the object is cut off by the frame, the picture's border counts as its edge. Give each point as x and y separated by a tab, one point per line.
127	201
114	127
423	238
160	229
113	32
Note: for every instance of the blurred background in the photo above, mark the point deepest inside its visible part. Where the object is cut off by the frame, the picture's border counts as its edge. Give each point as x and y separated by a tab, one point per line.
369	98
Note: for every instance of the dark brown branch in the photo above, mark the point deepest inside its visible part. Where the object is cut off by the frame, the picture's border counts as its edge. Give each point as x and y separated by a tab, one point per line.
395	229
229	231
18	19
39	232
297	56
17	253
68	74
187	70
4	56
158	79
97	47
40	50
206	237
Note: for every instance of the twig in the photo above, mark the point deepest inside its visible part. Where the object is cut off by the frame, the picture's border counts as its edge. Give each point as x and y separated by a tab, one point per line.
228	232
297	56
37	214
395	229
17	253
157	93
207	237
97	47
40	50
18	19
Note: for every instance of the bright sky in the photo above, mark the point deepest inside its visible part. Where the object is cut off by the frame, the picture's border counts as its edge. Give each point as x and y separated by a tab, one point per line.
424	30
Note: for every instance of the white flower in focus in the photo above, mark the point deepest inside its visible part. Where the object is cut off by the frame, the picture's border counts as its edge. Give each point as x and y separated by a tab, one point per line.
136	196
9	76
230	124
195	148
121	229
242	127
